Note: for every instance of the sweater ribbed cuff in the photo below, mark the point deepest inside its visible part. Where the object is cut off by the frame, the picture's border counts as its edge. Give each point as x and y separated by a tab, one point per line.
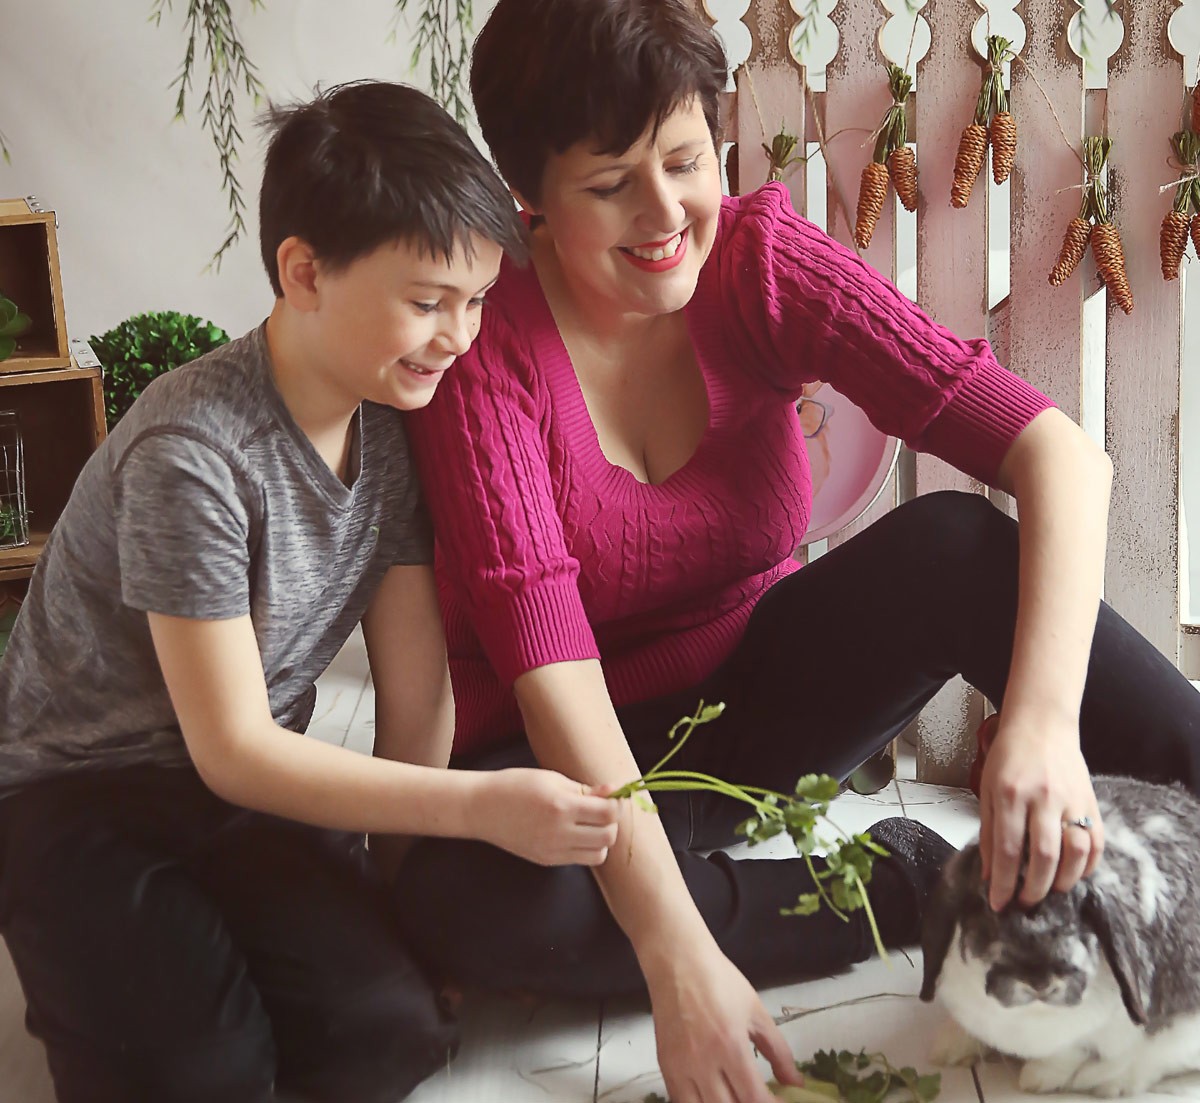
976	429
540	625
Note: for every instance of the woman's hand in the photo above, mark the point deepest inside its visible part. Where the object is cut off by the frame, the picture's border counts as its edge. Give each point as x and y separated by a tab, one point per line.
706	1018
544	817
1034	783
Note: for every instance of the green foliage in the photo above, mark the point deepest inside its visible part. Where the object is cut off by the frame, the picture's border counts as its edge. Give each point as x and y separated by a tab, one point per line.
210	24
146	346
830	1077
444	37
870	1077
12	324
10	525
842	885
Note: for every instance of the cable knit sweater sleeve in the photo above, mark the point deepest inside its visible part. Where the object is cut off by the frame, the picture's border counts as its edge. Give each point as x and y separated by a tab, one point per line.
811	309
483	460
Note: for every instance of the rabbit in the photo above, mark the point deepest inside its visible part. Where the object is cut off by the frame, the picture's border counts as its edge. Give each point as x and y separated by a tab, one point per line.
1097	989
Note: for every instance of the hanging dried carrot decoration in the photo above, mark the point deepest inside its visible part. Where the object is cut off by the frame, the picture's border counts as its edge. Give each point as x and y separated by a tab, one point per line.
891	155
781	154
1110	263
1106	241
972	149
1002	131
972	146
872	191
1174	233
1196	226
901	161
1075	243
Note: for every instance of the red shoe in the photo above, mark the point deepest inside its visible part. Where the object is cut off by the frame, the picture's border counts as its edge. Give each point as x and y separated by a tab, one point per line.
983	738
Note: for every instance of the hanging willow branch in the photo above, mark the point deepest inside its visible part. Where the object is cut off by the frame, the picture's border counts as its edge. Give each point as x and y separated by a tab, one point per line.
211	29
444	39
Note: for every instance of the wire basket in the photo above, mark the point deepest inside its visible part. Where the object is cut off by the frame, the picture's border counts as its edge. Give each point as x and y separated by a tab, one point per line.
14	514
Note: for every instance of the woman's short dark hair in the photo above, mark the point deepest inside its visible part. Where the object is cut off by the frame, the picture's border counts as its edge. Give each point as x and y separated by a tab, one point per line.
548	73
368	163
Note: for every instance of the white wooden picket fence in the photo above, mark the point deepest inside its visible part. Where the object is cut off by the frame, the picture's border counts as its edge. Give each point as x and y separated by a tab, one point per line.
1118	375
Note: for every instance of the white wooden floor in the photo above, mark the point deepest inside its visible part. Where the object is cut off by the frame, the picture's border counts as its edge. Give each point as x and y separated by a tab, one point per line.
589	1053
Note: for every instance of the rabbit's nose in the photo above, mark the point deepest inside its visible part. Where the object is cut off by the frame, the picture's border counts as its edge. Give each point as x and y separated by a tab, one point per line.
1050	989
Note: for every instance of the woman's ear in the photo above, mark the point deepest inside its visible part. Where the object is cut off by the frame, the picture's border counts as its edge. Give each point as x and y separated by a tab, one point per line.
297	264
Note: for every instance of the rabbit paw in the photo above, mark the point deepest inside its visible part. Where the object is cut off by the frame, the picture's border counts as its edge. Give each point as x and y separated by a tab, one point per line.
954	1046
1048	1074
1110	1079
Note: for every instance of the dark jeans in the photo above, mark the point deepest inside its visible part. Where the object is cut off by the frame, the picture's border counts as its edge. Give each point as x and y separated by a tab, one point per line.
175	948
836	660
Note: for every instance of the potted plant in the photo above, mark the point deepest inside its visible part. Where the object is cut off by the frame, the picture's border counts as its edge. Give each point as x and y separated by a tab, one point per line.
146	346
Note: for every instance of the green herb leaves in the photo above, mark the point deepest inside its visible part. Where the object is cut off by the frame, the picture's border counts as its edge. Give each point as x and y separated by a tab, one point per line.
830	1077
869	1077
841	885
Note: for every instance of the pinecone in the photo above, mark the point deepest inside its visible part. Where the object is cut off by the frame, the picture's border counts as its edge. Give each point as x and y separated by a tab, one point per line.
872	191
972	147
1003	134
902	164
1110	263
1172	241
1075	243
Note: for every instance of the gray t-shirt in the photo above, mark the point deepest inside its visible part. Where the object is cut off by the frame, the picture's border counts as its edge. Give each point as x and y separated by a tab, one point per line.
208	502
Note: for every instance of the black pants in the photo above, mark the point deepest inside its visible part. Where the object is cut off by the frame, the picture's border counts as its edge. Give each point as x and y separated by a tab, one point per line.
176	949
836	660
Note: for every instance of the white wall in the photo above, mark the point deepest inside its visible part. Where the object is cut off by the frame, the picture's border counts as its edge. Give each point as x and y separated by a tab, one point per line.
86	110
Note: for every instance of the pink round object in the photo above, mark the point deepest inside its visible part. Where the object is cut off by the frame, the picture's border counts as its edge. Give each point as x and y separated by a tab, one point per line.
851	461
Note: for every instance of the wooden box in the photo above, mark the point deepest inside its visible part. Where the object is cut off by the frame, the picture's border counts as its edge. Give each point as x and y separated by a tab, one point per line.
30	277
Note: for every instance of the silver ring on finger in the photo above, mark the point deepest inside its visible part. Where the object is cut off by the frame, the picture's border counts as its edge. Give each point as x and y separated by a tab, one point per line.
1085	822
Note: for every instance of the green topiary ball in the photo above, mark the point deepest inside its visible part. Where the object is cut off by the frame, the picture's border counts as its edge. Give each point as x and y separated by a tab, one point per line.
146	346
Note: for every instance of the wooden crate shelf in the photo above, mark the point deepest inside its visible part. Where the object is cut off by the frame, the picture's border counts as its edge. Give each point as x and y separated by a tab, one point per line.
29	276
59	404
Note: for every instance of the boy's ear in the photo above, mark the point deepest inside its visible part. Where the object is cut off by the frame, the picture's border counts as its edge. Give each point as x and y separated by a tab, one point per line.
297	273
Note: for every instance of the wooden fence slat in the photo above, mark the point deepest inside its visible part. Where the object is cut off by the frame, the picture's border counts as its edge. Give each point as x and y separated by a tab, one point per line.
952	288
1045	325
771	96
1144	353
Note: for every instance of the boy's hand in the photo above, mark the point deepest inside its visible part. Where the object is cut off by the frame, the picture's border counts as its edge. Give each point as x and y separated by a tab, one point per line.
544	817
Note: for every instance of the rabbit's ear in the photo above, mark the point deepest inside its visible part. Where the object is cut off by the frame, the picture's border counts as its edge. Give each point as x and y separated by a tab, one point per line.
943	911
1108	917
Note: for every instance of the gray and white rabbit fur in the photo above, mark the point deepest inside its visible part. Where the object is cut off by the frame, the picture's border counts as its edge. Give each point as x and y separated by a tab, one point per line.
1096	990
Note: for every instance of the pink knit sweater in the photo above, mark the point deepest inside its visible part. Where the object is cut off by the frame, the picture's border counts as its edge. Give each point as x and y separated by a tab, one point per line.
547	552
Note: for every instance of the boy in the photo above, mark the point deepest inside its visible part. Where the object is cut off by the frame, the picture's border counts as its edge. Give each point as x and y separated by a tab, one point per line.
188	913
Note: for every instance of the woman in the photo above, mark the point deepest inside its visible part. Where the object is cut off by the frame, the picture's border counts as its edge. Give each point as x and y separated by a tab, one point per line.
618	479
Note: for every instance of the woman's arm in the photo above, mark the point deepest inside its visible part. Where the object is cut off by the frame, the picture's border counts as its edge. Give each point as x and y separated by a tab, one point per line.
704	1009
1035	776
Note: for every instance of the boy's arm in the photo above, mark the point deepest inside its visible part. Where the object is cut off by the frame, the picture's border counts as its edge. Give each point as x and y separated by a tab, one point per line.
214	675
414	705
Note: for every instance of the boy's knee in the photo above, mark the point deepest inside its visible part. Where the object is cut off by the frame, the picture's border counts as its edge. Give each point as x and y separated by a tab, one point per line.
375	1047
236	1068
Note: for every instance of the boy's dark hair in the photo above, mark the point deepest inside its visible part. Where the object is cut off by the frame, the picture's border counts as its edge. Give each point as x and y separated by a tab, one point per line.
546	74
368	163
